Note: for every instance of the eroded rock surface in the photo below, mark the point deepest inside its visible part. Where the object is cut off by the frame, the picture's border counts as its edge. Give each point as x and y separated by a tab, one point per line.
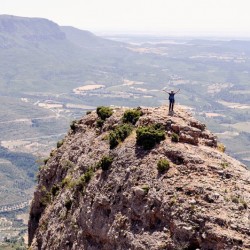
201	202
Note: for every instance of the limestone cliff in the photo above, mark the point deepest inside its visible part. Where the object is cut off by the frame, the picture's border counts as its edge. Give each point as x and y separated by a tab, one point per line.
200	201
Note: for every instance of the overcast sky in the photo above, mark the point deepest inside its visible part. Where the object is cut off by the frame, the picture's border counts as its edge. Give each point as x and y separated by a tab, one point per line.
146	16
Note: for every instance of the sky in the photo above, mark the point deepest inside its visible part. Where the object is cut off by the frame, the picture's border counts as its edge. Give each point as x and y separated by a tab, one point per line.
201	17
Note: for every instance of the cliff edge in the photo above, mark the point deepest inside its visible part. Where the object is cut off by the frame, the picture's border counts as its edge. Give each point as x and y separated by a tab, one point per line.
161	182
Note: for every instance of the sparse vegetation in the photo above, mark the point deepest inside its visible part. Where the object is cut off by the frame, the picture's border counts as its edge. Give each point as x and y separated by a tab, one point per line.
88	112
104	112
221	147
119	134
84	179
235	199
46	160
239	200
224	164
67	164
173	201
105	163
59	143
44	225
175	137
163	165
88	175
67	182
192	208
52	153
55	189
46	196
131	116
73	125
99	123
145	187
41	167
243	202
105	137
68	204
149	136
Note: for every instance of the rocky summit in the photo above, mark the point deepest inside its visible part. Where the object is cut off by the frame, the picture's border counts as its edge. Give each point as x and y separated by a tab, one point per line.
140	179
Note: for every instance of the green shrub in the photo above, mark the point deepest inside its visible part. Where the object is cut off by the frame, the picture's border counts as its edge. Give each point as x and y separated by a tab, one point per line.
105	163
80	182
52	153
41	167
66	182
239	200
46	160
55	189
73	125
99	123
131	116
235	199
68	204
119	134
163	165
45	200
104	112
224	164
45	197
149	136
145	188
67	164
88	175
88	112
174	137
84	178
221	147
59	143
243	202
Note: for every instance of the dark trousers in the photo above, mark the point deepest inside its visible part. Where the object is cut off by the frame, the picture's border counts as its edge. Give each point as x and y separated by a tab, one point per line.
171	105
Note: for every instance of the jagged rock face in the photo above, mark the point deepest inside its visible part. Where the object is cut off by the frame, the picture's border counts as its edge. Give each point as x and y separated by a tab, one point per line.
199	203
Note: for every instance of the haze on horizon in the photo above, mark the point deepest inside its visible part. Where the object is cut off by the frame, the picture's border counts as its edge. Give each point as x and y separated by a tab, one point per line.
179	17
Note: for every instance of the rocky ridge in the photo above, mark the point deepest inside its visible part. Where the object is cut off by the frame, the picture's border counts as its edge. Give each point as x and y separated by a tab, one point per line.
200	202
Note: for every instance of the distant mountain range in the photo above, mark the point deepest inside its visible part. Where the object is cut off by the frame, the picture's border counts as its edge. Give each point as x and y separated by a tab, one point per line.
15	31
37	53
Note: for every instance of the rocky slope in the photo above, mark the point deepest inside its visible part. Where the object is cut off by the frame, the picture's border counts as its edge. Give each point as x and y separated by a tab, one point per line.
200	202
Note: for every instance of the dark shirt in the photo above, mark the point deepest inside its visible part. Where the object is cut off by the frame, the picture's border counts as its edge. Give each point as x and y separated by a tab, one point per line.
171	97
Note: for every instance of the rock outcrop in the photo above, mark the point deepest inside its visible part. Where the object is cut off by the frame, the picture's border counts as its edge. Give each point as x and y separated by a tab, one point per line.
200	202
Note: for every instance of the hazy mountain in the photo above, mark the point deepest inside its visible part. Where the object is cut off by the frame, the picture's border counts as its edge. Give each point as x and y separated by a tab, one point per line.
37	54
86	39
29	30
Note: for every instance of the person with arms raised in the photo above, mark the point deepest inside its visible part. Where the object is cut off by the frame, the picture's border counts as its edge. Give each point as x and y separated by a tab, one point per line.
171	99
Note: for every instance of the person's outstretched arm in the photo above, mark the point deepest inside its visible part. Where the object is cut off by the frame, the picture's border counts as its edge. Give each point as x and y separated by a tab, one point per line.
165	91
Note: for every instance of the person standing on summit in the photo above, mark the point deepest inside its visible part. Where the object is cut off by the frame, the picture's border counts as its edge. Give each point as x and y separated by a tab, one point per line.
171	99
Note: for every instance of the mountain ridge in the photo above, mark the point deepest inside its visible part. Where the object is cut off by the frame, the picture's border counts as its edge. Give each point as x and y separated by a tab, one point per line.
84	38
200	201
42	30
51	52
